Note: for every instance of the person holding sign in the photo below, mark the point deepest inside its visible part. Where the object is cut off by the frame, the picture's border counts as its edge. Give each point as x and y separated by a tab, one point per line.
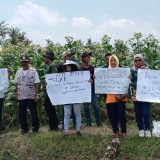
4	83
106	57
142	109
71	65
116	105
50	109
27	93
86	58
66	55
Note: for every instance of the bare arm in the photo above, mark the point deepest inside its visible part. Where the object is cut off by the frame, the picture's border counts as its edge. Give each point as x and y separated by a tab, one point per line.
37	88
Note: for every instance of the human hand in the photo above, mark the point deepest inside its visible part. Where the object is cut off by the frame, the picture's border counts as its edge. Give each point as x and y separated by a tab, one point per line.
37	97
90	81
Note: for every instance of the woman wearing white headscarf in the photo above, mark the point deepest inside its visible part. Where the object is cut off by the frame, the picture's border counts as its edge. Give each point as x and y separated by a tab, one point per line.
142	109
116	105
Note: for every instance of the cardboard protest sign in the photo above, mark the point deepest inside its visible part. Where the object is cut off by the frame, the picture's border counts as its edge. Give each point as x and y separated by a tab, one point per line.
148	85
3	81
68	87
112	80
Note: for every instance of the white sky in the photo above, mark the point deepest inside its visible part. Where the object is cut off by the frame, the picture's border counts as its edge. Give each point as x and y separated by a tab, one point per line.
81	19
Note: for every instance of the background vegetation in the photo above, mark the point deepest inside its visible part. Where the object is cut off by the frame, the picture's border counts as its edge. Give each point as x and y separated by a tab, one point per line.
45	145
14	43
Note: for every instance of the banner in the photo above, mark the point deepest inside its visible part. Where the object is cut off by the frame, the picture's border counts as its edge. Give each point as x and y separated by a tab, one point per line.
148	85
68	87
112	80
3	81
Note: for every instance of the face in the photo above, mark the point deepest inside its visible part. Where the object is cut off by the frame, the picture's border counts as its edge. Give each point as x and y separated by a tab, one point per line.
113	62
138	62
87	59
24	64
107	60
68	68
68	57
46	60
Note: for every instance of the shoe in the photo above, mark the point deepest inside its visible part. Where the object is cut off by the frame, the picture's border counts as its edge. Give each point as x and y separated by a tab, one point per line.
88	125
124	135
65	134
116	138
116	135
141	133
99	125
24	131
55	129
148	133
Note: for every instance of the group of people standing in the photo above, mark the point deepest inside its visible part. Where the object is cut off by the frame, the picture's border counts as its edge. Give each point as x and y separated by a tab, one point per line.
28	92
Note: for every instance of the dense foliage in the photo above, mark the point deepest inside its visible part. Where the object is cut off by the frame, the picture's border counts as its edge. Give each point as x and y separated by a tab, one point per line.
17	44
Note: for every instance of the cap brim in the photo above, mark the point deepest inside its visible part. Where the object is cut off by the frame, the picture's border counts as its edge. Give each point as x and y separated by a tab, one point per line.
70	63
48	57
45	56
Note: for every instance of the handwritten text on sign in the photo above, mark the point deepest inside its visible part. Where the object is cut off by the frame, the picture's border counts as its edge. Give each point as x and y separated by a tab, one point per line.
112	80
68	87
148	85
3	81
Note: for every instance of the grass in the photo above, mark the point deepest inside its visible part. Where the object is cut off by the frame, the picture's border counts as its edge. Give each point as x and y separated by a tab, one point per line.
93	143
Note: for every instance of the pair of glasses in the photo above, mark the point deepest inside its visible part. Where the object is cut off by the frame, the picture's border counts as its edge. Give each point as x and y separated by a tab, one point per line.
138	60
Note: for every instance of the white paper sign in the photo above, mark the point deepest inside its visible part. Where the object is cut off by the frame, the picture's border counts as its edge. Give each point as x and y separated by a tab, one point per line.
68	87
148	85
3	81
112	80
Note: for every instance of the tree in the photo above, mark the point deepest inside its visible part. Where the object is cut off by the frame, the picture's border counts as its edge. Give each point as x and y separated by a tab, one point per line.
13	35
3	29
16	36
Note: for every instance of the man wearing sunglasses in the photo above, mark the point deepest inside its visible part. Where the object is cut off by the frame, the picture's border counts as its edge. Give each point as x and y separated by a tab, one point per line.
27	92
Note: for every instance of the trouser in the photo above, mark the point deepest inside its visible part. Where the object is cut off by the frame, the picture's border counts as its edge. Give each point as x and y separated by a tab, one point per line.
142	112
1	102
67	114
94	101
51	113
72	116
116	114
23	104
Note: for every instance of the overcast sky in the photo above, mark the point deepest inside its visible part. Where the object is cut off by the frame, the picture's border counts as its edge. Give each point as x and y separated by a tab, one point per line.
81	19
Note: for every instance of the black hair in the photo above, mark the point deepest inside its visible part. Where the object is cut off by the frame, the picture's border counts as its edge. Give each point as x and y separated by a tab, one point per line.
107	54
74	67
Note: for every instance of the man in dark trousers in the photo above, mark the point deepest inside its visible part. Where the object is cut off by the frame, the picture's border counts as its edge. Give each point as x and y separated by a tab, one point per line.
27	93
50	109
86	57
